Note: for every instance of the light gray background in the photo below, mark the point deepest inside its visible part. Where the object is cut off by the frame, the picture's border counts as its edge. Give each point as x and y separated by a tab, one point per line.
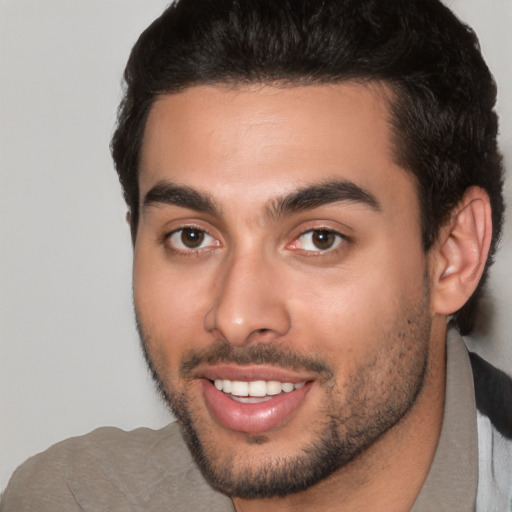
69	355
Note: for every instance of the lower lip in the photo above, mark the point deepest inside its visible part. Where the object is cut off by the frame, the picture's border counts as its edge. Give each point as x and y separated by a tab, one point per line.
252	418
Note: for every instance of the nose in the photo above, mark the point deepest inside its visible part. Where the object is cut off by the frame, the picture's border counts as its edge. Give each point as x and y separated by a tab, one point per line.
249	303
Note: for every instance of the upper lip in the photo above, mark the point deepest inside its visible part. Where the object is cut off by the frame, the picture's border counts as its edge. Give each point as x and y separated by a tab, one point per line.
251	373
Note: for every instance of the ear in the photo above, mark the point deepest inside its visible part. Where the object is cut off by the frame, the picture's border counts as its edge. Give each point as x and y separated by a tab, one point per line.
133	230
460	255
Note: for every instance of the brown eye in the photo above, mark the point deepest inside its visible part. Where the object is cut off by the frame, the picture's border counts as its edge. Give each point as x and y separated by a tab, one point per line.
192	238
318	240
323	239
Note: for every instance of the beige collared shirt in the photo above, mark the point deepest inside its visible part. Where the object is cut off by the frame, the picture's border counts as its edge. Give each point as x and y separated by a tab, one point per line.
151	471
452	481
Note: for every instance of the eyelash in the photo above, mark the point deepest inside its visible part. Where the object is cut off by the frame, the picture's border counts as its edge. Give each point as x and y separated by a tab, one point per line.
333	236
186	251
171	245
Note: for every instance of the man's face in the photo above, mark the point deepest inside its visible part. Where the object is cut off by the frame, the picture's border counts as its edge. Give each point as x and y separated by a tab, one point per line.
280	284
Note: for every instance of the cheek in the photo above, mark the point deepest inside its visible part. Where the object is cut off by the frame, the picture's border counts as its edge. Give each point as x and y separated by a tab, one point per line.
170	308
349	312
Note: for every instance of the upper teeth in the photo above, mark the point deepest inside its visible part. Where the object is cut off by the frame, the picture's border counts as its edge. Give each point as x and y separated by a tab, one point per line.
256	387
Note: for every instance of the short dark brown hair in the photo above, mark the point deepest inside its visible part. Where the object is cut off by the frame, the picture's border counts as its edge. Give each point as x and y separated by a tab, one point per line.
444	121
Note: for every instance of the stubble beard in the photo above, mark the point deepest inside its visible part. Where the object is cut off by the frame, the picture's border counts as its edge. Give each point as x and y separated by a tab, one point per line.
368	409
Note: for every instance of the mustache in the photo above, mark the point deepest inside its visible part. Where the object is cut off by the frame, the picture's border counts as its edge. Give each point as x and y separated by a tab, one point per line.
264	353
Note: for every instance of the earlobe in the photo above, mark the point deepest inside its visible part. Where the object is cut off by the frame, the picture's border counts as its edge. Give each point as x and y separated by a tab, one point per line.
462	251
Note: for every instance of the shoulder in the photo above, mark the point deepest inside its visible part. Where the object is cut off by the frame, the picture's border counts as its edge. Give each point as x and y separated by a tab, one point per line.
493	397
493	394
108	469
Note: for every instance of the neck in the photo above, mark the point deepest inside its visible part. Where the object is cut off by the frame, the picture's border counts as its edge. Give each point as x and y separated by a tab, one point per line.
389	475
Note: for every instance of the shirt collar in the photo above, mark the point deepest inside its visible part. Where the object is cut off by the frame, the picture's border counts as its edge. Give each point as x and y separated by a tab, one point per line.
452	481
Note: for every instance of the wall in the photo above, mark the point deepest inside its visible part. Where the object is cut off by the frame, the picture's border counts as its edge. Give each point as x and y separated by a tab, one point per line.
69	355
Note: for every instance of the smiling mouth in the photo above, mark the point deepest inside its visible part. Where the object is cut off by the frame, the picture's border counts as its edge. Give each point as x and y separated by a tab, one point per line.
255	391
254	406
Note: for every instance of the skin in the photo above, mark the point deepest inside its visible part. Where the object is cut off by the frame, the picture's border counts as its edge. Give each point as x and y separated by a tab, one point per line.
364	307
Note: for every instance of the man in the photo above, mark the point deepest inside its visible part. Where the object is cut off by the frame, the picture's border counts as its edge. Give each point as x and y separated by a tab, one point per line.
314	195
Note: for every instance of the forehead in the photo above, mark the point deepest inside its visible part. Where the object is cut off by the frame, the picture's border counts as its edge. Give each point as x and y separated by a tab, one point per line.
228	140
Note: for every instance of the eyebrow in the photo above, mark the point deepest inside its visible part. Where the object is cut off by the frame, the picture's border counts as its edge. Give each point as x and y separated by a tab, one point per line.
165	192
314	196
303	199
